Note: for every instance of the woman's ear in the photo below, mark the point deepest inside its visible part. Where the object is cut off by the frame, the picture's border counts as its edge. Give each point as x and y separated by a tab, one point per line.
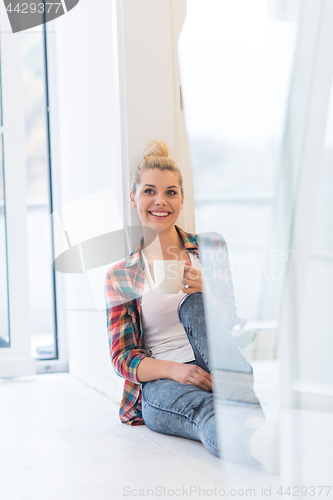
181	202
132	200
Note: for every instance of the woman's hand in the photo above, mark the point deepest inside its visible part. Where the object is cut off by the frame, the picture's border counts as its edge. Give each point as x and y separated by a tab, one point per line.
192	282
192	375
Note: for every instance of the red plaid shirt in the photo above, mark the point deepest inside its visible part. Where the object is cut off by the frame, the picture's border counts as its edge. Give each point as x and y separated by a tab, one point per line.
123	290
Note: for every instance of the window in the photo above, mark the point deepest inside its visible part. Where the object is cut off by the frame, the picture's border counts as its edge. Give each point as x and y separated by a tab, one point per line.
4	313
39	200
26	243
235	119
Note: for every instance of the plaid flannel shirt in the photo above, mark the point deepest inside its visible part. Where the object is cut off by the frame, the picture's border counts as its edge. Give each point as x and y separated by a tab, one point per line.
123	290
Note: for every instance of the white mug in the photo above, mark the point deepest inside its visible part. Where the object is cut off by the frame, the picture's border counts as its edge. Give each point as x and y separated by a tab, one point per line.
168	275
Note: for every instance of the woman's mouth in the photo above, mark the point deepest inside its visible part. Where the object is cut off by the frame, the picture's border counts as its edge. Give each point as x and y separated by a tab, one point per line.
159	215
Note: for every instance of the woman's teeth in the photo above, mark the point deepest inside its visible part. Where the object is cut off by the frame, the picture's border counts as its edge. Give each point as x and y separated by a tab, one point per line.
159	214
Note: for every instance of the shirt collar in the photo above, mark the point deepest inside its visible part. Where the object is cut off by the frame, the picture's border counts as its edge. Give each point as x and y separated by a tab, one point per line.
189	240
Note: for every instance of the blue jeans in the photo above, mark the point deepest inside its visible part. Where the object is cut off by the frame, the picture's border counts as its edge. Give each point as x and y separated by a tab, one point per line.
187	411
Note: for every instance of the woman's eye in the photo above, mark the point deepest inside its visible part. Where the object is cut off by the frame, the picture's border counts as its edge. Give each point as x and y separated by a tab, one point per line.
171	191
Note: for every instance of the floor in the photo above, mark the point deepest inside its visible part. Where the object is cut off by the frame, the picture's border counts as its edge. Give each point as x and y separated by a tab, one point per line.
61	440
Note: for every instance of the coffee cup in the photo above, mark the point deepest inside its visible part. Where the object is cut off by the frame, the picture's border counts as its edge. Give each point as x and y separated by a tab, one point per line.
168	275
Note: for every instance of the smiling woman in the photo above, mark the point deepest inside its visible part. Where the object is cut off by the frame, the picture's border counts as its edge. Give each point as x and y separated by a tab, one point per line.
158	184
157	193
158	341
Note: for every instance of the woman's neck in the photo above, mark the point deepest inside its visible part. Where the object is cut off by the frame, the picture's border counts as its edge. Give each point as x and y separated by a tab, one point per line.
166	245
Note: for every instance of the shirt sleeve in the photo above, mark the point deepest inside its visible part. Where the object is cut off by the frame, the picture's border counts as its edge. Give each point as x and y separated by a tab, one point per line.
126	352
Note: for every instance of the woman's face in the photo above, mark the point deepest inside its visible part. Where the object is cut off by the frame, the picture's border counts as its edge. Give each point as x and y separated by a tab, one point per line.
158	199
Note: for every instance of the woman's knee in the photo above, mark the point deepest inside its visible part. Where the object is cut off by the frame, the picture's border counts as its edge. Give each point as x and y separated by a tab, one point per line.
167	421
192	309
190	415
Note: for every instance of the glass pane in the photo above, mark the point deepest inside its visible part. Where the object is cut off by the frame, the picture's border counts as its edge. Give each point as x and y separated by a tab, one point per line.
235	111
39	237
237	64
4	316
251	105
315	340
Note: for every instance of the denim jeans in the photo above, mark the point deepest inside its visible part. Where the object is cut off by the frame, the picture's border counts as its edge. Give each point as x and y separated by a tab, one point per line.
187	411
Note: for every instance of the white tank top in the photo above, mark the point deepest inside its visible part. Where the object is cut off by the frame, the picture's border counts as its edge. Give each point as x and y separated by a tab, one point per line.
164	335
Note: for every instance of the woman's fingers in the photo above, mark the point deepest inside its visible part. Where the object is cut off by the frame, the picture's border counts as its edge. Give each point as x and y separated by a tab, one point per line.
204	373
191	287
191	280
202	384
191	283
192	375
192	272
202	379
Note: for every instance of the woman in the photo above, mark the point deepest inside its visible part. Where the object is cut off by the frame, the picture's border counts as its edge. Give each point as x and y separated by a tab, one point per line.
158	342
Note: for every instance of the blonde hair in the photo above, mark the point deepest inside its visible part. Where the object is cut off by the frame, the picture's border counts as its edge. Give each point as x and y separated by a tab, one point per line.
156	156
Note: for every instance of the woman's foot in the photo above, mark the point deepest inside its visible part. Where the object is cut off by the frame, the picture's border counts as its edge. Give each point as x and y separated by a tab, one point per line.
264	444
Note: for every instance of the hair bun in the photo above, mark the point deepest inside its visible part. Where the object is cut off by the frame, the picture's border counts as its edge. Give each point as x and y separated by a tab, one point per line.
156	148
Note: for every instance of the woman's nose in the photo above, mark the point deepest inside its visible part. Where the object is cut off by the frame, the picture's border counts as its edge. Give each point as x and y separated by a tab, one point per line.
159	200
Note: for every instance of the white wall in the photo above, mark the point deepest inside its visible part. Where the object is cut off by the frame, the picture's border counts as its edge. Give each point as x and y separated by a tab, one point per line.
150	90
101	122
85	151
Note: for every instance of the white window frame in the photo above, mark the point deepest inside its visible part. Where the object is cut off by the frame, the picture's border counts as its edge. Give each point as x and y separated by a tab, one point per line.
61	363
17	360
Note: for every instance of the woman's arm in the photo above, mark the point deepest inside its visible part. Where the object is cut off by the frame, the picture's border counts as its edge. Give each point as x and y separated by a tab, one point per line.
155	369
125	352
132	361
